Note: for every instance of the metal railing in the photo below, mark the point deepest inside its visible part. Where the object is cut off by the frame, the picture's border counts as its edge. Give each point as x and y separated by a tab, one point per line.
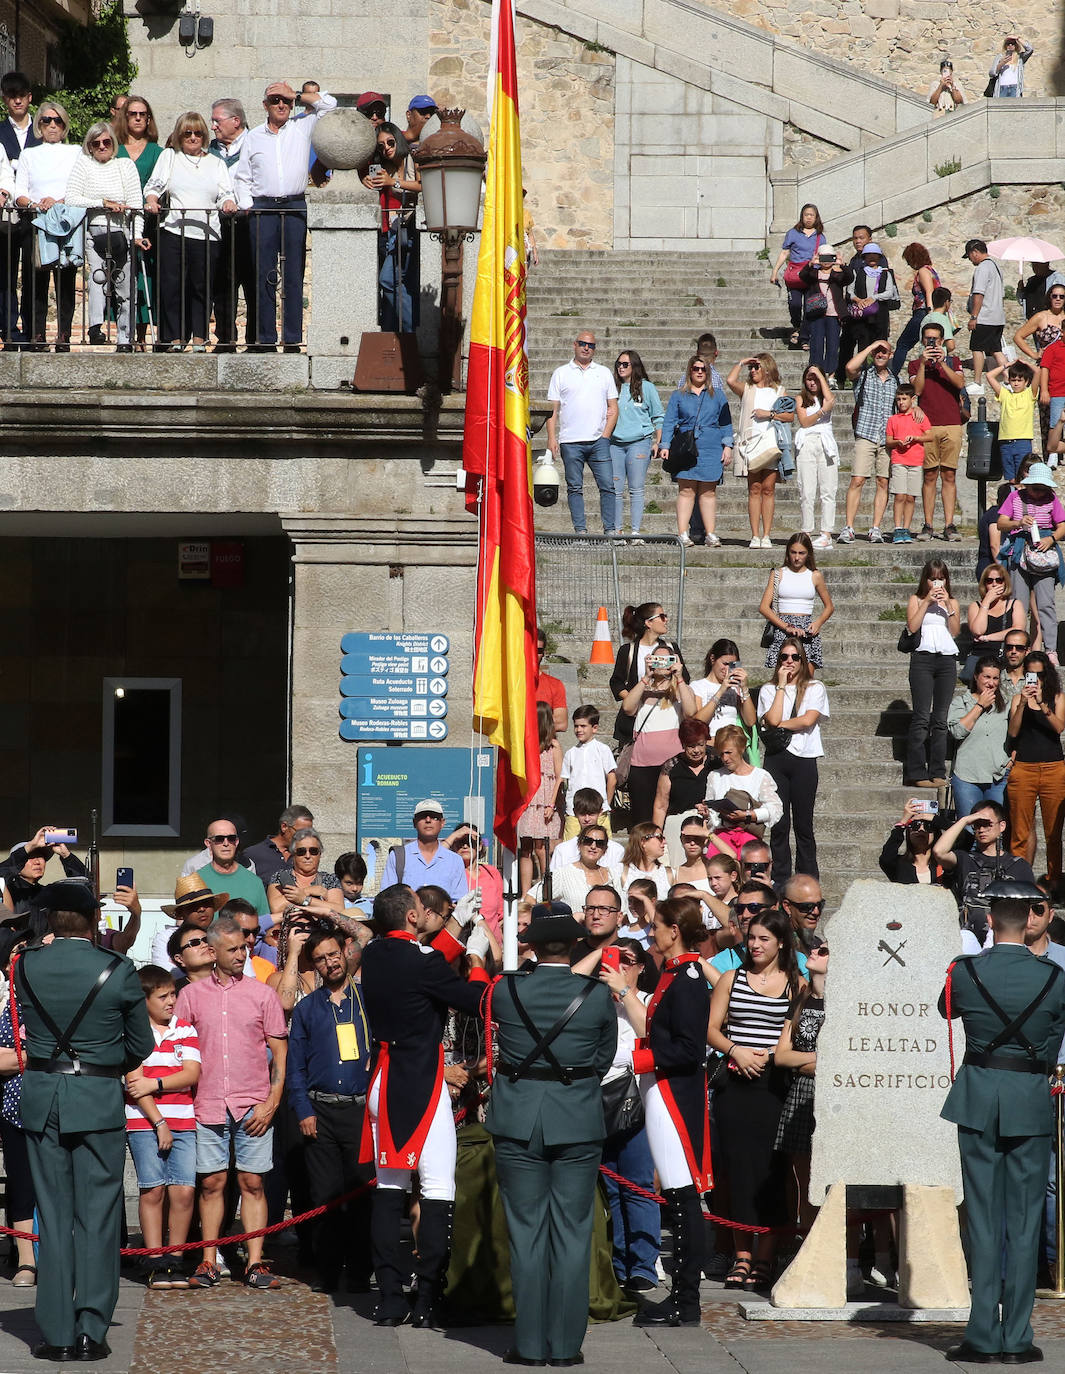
577	573
205	279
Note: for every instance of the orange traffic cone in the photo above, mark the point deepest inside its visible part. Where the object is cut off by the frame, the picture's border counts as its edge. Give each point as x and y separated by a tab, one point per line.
602	649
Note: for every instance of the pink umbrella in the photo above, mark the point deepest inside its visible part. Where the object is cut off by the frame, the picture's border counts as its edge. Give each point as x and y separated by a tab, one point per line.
1025	250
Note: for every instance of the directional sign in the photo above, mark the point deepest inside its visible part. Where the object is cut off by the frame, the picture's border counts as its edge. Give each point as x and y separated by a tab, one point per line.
379	684
398	644
387	664
377	729
393	708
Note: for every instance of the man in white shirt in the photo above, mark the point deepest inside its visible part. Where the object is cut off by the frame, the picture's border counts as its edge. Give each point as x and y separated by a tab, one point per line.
271	180
16	134
229	127
987	312
584	411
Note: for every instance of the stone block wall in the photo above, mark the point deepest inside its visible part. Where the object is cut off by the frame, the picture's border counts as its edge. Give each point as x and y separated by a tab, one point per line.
566	94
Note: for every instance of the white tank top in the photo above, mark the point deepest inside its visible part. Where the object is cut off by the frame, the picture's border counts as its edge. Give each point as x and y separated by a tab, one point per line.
795	592
935	637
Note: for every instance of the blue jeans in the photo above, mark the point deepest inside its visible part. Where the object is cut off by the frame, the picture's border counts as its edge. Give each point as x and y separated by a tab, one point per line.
1013	453
637	1221
630	461
969	795
596	453
279	252
907	339
824	343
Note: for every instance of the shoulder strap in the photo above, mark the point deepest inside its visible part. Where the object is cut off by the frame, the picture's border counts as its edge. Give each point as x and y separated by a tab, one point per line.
399	853
542	1043
1012	1032
63	1038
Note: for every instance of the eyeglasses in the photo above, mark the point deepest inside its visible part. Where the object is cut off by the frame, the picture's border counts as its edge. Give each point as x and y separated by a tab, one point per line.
599	910
136	114
619	364
221	839
584	343
752	907
50	119
279	100
190	944
808	908
311	849
789	658
101	143
594	844
821	951
999	581
698	367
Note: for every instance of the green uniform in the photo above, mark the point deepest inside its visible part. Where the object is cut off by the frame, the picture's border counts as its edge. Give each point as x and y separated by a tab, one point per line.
75	1129
548	1146
1005	1122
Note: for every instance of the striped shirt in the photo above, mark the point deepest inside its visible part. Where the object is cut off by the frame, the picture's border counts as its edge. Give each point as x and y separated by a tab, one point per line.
175	1046
755	1020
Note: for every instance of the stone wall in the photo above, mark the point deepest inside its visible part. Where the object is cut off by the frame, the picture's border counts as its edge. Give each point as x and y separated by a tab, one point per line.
904	40
566	93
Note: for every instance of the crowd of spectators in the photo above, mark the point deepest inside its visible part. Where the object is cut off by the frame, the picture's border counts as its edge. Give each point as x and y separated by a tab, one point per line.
172	236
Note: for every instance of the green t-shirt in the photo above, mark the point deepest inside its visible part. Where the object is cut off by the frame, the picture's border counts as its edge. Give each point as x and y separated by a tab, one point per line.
941	318
242	883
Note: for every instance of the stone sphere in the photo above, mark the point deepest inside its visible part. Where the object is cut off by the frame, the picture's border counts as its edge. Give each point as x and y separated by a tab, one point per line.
344	140
468	124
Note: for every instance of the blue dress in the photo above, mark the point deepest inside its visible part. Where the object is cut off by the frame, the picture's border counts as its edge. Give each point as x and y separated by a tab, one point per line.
713	431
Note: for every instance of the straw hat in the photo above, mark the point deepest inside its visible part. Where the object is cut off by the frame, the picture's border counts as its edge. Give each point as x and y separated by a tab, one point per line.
190	892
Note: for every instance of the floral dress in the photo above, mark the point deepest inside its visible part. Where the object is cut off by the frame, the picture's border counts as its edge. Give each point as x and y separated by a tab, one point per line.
533	824
795	1130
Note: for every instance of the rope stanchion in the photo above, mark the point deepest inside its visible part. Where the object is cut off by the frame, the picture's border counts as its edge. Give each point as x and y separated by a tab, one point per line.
652	1196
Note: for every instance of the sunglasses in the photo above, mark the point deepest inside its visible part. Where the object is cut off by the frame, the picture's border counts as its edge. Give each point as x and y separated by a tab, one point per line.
752	907
310	850
1016	648
279	100
692	839
619	364
808	908
789	658
1057	296
583	343
51	119
920	825
463	842
136	114
1000	581
428	816
250	933
221	839
656	836
658	615
821	951
192	133
190	944
594	844
102	143
698	367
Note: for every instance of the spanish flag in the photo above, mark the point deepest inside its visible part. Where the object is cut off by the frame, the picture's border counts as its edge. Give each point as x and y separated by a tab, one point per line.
497	460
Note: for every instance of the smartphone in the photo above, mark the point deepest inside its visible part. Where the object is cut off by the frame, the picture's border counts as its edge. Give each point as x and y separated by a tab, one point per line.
1030	680
927	806
60	837
375	169
123	877
611	958
937	584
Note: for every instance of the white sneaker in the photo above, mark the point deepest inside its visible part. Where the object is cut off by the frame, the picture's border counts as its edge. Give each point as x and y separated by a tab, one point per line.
685	539
823	541
845	536
755	543
876	535
712	541
975	389
766	542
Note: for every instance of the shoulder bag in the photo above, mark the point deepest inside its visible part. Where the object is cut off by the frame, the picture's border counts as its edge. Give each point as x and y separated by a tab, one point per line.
622	1104
775	739
624	760
908	640
683	451
792	279
717	1069
1039	561
770	629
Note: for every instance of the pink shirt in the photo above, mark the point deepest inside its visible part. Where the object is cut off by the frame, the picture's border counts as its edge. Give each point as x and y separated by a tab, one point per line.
233	1021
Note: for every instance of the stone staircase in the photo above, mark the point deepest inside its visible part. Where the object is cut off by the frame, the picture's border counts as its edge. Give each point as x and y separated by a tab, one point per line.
658	304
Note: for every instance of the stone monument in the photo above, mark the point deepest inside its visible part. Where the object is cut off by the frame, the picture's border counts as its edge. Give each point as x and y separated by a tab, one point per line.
883	1071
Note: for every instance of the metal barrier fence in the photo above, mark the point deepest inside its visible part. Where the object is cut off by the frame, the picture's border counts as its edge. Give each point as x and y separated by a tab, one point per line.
148	281
577	573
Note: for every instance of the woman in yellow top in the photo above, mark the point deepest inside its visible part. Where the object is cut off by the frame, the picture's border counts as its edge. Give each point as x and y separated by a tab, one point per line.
1016	426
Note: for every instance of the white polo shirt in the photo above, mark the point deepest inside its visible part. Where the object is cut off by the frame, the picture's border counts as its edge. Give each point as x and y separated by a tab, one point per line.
582	394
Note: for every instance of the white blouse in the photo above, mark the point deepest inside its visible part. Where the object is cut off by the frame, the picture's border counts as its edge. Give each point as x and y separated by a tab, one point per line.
92	182
805	744
757	784
197	186
44	170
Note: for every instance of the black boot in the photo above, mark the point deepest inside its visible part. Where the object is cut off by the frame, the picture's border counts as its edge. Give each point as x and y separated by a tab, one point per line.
386	1220
434	1253
685	1219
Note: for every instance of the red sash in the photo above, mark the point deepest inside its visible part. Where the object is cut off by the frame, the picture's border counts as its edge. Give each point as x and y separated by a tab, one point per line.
407	1153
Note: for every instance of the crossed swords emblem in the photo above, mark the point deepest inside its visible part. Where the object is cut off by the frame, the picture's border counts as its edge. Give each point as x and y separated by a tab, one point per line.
892	953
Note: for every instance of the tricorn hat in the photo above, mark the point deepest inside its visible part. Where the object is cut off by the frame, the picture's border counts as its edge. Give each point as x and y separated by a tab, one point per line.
189	892
551	923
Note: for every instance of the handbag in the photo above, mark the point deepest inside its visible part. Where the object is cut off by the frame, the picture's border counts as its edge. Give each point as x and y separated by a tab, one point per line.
759	451
683	451
624	759
908	640
1039	560
775	739
770	629
792	279
989	89
622	1104
717	1069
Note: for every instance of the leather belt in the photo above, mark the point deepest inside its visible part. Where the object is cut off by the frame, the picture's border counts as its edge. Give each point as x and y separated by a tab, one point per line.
336	1099
79	1070
980	1059
543	1073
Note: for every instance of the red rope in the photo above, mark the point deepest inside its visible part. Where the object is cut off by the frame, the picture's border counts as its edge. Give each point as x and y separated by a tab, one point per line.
709	1216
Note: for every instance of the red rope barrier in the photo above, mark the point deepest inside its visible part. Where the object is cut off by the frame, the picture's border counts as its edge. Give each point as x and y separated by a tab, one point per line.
708	1216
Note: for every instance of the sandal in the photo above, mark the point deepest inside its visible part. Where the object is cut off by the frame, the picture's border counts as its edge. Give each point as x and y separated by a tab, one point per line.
739	1275
761	1276
30	1269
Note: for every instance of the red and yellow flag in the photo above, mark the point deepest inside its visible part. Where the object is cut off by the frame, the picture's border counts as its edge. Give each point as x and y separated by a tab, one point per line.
497	460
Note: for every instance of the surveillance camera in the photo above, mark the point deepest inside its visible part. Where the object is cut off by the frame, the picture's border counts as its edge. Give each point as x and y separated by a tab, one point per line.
545	481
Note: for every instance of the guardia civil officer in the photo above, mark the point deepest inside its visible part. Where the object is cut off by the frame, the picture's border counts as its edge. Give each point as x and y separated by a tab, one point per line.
86	1024
1012	1005
409	1127
557	1036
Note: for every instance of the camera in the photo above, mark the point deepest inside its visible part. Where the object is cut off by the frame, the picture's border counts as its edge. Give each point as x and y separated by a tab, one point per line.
545	481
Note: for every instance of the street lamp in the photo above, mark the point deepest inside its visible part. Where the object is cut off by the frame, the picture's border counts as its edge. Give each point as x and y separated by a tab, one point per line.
451	166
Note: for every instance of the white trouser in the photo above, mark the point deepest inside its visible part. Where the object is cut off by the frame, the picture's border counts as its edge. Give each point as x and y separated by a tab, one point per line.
814	468
109	277
667	1149
436	1166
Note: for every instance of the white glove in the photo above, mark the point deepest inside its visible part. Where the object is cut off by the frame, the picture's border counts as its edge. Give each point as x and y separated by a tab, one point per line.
478	942
468	907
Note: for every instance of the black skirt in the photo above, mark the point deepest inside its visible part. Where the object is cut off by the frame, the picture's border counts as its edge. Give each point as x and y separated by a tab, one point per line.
747	1112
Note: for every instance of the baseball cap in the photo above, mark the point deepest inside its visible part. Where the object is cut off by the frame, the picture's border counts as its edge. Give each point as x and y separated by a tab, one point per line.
421	102
978	244
429	808
369	98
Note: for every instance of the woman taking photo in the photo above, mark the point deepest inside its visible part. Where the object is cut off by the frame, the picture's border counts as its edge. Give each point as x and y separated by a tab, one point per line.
722	691
658	704
924	282
465	841
304	878
398	186
138	139
978	722
571	882
682	782
794	587
634	441
816	455
907	855
1007	71
801	243
1036	564
794	701
693	868
757	393
110	188
932	613
994	615
747	1013
643	859
749	795
670	1059
1036	720
698	407
190	242
643	628
40	183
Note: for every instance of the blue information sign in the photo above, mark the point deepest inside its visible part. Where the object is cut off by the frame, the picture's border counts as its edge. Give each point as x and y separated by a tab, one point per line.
388	728
391	783
374	685
393	686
